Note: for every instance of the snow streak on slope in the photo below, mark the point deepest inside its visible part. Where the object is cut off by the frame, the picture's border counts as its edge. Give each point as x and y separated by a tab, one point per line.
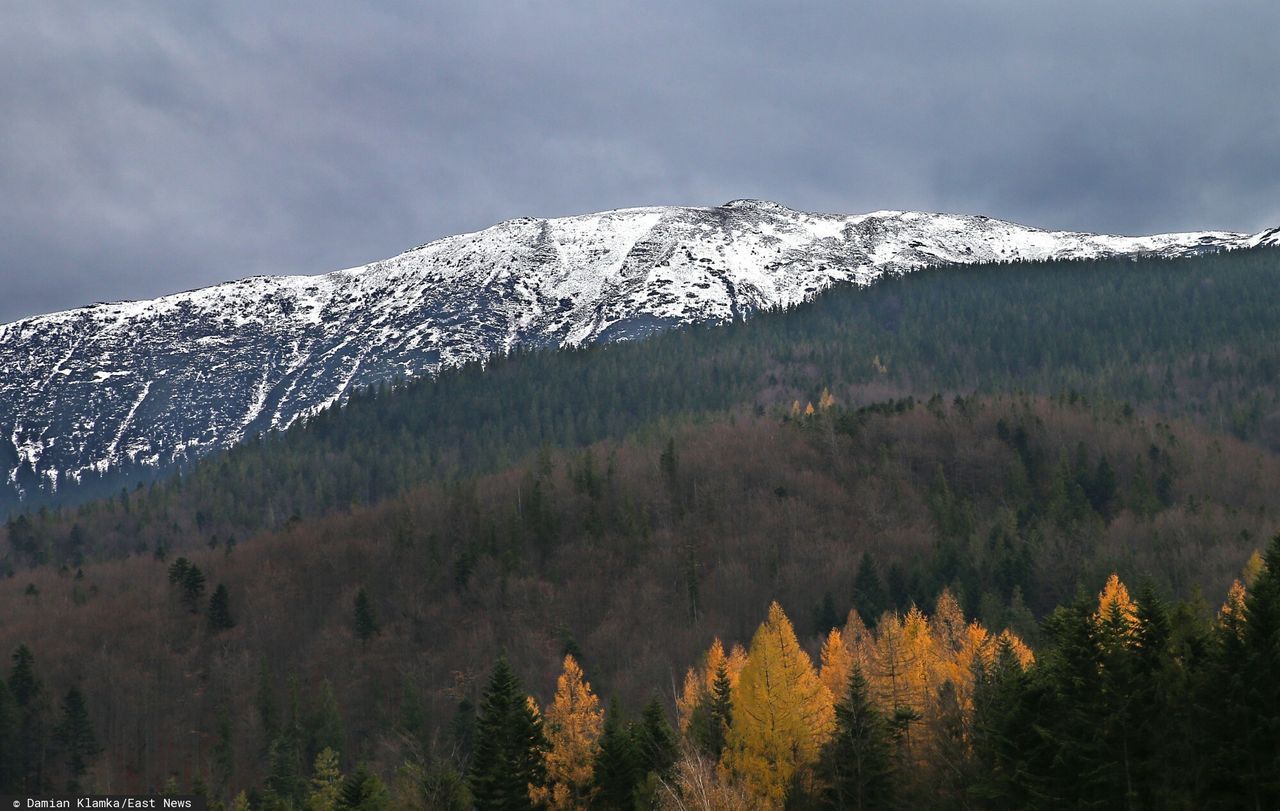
151	382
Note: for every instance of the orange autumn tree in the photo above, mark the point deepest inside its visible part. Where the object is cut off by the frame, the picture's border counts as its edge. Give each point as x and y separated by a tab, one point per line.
699	682
782	713
572	724
837	663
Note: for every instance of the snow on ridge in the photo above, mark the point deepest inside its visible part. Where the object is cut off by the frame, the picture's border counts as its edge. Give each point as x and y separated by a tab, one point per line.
218	364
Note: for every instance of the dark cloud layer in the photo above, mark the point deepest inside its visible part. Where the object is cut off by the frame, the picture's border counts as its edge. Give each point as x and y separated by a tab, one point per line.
152	147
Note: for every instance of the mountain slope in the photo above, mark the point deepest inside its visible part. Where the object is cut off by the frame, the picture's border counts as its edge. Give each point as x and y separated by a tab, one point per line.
158	381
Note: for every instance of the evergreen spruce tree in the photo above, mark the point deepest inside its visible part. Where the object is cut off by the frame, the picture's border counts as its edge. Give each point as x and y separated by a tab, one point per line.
617	766
10	764
857	764
363	791
1161	738
75	738
284	775
220	611
509	748
1002	725
192	588
1223	713
366	621
322	727
709	726
1261	663
178	571
28	697
1074	754
326	783
655	740
869	595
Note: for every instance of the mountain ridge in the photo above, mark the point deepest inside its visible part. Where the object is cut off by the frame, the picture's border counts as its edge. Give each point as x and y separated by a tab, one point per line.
158	381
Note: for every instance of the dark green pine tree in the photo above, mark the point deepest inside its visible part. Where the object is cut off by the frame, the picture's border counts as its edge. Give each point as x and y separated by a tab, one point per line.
178	571
1162	751
284	765
826	616
192	588
322	727
1002	732
617	771
28	696
1261	769
857	765
656	741
363	790
713	716
10	765
656	751
509	748
870	597
75	738
1221	713
220	618
1076	753
366	621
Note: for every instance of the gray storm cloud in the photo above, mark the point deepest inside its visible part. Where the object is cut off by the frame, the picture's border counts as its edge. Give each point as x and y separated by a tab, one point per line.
153	147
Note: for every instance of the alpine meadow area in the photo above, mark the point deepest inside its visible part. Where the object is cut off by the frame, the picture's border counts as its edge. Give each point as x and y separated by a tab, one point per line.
991	536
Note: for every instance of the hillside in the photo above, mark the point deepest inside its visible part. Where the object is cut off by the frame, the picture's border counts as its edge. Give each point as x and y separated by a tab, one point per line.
1193	339
132	388
634	555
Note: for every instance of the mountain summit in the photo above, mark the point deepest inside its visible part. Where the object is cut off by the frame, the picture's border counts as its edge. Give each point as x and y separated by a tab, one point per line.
153	382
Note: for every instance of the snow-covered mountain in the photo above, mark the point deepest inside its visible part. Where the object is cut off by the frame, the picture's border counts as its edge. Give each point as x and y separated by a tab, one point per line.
150	382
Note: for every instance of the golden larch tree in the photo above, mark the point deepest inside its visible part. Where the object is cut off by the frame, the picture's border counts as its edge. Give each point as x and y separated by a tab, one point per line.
1231	615
698	682
1117	615
782	713
837	663
858	640
572	724
1025	657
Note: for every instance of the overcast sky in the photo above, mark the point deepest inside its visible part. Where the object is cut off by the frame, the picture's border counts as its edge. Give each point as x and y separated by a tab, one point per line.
147	148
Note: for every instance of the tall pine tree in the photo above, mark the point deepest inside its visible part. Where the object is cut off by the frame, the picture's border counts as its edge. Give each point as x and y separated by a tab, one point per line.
856	767
510	748
75	738
220	618
617	766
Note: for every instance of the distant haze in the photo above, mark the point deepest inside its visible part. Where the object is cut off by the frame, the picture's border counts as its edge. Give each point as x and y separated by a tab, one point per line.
152	147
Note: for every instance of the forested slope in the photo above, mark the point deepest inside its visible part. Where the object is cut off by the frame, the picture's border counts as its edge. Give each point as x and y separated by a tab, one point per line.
1195	339
373	630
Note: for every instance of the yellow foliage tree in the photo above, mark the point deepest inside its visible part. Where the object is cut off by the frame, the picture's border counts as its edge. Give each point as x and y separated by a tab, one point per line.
1025	657
837	663
858	640
782	713
1117	614
1253	567
1232	612
698	682
572	724
687	701
826	400
736	661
